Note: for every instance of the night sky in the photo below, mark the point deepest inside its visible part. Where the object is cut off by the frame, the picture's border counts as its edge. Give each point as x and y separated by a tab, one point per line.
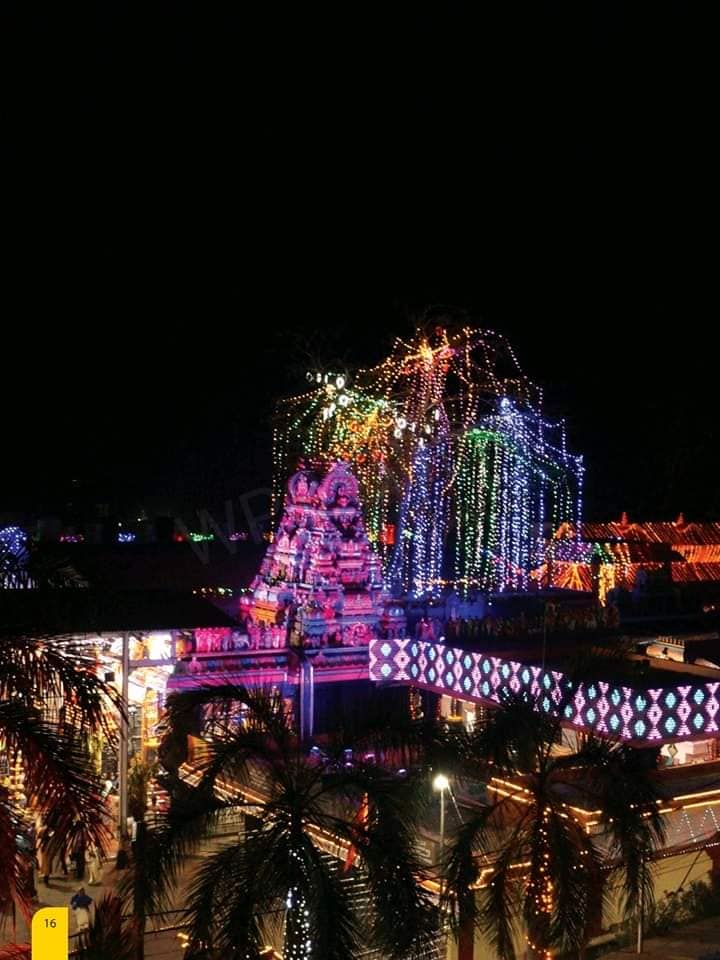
200	208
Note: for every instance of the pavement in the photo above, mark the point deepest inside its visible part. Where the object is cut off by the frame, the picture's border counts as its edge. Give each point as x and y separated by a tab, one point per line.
692	942
160	942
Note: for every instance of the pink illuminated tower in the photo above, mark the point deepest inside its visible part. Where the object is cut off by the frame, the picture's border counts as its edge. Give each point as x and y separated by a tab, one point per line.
320	583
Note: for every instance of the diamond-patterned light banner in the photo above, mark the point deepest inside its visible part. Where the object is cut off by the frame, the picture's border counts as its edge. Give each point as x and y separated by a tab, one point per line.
657	715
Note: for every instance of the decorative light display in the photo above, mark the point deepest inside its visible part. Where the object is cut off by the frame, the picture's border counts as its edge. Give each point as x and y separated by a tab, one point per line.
654	715
416	564
126	536
624	549
201	537
298	943
540	899
458	469
509	476
13	558
13	541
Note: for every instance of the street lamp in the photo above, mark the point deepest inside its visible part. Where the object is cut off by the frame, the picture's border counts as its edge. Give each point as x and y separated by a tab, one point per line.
441	784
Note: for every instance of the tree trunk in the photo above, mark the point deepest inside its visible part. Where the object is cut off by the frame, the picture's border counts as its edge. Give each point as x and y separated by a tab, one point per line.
296	929
466	934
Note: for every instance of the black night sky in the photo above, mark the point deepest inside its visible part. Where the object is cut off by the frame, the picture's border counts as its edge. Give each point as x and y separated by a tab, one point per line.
201	206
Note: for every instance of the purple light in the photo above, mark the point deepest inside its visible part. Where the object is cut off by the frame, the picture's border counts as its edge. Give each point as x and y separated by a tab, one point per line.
13	540
657	715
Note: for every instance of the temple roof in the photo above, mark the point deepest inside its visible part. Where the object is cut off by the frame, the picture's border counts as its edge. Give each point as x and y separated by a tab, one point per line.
60	612
673	533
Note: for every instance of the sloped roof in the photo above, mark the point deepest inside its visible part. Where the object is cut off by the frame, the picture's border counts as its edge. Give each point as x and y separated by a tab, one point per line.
675	534
164	566
58	612
691	572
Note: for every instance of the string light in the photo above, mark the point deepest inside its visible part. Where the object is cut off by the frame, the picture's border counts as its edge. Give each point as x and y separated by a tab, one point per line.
508	474
446	423
13	558
298	943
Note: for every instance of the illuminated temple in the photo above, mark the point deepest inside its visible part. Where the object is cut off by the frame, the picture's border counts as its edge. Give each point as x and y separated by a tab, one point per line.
320	583
429	546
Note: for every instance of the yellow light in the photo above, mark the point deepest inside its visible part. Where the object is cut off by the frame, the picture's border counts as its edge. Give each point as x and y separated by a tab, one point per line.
692	796
441	782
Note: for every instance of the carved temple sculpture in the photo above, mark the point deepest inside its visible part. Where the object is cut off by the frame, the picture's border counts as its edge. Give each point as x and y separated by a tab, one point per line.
320	583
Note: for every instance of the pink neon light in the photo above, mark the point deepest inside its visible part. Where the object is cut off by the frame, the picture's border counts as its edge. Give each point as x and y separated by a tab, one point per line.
658	715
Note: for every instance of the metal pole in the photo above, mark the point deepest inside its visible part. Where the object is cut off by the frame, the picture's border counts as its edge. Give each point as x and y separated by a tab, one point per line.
442	823
311	697
442	837
124	718
442	860
641	908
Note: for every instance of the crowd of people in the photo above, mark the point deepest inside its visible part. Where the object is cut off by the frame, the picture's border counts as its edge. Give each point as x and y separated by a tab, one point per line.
552	619
52	864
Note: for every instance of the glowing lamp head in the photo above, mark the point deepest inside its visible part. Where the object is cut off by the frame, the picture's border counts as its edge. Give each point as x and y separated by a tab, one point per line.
441	783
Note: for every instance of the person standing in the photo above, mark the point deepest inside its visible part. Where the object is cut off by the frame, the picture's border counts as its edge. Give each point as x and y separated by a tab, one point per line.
94	866
44	863
79	856
81	904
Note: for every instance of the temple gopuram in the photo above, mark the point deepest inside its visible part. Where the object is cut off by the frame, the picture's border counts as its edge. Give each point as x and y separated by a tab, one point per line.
320	583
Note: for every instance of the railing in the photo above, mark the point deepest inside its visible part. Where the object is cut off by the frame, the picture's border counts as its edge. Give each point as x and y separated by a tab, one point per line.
650	716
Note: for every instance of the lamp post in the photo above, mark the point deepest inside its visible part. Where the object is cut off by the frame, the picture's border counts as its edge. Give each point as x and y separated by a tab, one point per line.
641	908
124	734
441	784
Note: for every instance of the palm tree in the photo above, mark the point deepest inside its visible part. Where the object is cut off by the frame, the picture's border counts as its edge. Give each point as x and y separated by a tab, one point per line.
52	750
107	937
543	871
277	881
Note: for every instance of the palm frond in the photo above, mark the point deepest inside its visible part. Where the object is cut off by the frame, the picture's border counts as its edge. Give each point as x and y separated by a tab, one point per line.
575	869
238	891
332	926
498	912
517	737
404	917
107	938
17	873
59	776
33	669
168	840
625	786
